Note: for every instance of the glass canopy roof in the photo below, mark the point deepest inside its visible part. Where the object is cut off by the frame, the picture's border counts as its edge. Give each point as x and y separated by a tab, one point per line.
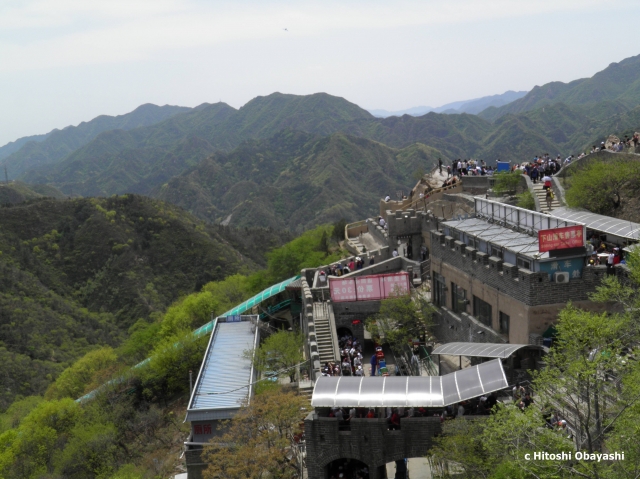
409	391
479	350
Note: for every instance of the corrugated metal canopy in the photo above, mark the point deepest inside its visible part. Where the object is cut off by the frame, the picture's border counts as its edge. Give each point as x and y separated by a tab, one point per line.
514	241
479	350
408	391
605	224
225	376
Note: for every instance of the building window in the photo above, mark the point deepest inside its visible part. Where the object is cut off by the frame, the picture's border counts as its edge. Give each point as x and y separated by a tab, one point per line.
472	242
524	263
504	323
439	290
482	311
458	299
495	251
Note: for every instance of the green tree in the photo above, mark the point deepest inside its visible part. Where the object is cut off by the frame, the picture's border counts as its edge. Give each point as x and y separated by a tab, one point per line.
261	442
401	319
526	201
589	377
306	251
337	230
90	452
507	182
279	352
74	380
603	186
229	292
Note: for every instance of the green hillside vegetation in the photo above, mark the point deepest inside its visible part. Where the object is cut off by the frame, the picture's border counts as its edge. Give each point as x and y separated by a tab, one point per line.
18	192
59	143
296	180
606	186
143	158
77	274
14	146
134	427
618	82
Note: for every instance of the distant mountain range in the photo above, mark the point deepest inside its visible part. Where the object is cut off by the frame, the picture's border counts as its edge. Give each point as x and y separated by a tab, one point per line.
474	106
619	82
288	161
33	151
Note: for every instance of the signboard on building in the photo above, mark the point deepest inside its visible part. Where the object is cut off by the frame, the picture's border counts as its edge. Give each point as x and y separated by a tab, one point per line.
368	288
342	289
560	238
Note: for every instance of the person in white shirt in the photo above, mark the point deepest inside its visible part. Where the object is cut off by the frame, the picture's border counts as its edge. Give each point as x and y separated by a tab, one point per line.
387	198
395	253
382	221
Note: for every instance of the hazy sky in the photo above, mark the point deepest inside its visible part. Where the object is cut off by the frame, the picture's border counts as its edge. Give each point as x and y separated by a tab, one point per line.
65	61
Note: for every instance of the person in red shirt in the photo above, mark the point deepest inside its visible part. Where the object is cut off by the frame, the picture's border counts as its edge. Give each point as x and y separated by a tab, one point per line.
394	421
371	414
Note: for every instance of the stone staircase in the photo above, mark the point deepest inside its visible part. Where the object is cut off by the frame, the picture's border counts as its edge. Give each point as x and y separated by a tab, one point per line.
542	194
324	334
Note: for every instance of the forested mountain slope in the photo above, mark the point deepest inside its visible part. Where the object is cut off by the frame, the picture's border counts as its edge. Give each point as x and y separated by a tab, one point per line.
55	145
144	158
19	192
296	180
79	273
618	82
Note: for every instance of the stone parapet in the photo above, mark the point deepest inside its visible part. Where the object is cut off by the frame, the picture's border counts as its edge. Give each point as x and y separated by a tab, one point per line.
368	441
531	288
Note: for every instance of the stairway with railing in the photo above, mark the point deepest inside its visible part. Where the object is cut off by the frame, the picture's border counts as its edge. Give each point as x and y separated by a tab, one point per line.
325	335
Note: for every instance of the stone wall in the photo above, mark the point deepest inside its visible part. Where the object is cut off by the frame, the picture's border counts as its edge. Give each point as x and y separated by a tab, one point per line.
475	185
583	162
450	328
346	313
368	441
308	326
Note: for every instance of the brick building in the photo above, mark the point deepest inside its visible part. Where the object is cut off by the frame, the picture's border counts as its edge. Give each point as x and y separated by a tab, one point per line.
491	282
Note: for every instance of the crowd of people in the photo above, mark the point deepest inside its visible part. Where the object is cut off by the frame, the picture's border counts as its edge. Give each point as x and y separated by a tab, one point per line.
340	269
480	406
617	145
350	359
469	167
603	253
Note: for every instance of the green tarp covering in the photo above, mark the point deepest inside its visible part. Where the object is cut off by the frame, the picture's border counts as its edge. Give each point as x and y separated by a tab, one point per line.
248	304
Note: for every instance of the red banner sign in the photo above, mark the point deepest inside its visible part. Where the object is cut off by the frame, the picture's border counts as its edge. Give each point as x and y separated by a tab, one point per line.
342	289
560	238
368	288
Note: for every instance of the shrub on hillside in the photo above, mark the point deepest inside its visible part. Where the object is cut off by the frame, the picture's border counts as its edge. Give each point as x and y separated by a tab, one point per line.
603	186
507	182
